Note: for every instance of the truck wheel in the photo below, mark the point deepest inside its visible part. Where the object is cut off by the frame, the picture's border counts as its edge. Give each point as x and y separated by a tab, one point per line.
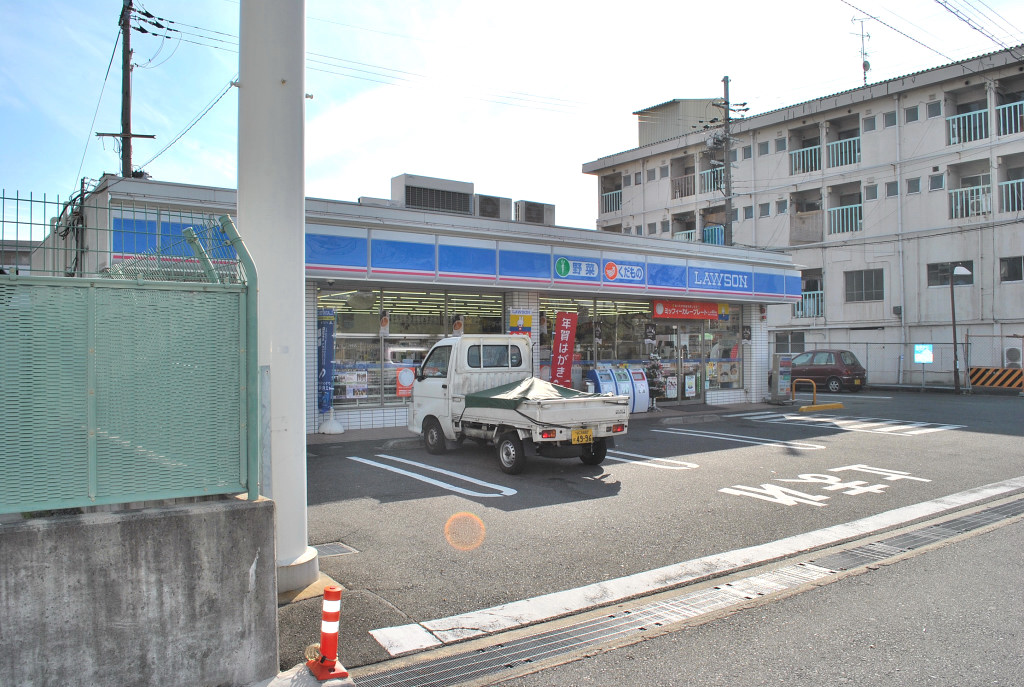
510	453
433	436
593	454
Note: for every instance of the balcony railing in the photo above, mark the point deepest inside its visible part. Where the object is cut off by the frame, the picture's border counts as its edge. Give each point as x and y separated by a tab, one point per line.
967	127
844	219
812	304
686	235
712	180
970	202
683	186
1011	195
611	202
714	234
844	152
1011	118
805	160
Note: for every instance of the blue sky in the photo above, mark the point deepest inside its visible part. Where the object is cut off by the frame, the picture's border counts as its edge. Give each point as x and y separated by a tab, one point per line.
513	97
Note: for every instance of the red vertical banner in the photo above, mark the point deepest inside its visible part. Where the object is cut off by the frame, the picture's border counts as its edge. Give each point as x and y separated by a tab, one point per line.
563	343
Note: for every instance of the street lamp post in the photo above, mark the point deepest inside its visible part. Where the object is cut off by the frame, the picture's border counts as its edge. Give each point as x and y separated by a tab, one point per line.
958	271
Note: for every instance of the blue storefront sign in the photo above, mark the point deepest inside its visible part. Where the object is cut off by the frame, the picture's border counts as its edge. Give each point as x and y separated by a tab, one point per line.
325	359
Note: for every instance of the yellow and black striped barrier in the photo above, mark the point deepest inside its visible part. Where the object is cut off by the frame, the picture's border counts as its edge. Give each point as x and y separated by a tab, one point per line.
1000	377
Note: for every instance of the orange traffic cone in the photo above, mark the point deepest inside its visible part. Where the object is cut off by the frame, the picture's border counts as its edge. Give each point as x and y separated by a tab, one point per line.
328	667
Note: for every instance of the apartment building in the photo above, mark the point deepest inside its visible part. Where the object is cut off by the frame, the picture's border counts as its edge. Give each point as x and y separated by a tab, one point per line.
878	193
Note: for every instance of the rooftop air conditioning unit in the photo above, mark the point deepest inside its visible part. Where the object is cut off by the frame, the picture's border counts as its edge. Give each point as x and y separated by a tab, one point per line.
493	207
1011	357
535	213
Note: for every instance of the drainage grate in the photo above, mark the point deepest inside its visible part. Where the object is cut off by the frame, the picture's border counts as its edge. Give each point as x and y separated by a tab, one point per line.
470	665
334	549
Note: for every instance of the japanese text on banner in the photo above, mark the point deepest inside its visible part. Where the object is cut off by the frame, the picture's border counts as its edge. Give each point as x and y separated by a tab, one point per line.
563	344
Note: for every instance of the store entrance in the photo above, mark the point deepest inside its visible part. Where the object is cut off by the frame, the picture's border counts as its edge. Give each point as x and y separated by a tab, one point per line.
683	348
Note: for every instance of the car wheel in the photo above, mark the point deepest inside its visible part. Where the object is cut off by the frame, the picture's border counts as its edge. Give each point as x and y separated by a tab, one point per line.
510	453
433	436
593	454
834	385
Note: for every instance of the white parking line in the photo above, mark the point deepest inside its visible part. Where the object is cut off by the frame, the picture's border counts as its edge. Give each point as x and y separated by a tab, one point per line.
502	491
741	439
651	461
413	637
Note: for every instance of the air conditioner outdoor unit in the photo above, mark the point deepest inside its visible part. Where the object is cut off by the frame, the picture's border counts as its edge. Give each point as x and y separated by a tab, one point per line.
1011	357
535	213
977	206
493	207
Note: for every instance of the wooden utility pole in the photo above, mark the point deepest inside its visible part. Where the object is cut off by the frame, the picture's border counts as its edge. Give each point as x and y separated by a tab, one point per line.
126	89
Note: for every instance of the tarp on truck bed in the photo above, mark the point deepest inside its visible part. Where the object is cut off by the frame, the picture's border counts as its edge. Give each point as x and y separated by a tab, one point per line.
510	396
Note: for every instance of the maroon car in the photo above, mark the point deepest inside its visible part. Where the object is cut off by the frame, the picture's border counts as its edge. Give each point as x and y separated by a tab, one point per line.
830	369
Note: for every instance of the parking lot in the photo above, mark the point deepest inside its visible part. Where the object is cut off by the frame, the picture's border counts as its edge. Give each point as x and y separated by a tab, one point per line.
423	538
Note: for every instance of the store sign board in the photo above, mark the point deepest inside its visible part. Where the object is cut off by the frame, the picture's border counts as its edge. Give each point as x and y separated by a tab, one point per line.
715	280
623	272
527	266
687	310
470	262
577	268
563	345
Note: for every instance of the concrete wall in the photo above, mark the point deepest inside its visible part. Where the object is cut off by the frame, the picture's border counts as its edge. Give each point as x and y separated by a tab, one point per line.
176	595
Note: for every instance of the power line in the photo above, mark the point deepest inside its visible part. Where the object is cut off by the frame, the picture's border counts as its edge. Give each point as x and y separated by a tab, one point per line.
195	120
967	20
117	41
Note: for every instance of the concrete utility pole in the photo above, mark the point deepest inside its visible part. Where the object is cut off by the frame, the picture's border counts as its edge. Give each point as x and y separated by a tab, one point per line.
728	166
272	220
126	89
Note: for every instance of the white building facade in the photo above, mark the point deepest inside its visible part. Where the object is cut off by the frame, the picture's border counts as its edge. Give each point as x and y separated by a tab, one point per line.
877	193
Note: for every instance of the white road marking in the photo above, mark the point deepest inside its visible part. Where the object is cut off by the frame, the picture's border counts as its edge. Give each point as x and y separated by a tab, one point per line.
741	439
768	413
877	425
408	638
502	491
651	461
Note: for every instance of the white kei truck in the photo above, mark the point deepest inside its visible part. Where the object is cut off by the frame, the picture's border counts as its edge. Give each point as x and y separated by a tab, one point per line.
482	387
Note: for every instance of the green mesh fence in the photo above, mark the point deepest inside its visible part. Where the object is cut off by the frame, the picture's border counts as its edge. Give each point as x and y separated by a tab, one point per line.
126	382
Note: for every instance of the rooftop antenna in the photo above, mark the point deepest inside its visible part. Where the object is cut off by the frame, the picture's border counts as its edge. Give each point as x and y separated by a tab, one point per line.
865	65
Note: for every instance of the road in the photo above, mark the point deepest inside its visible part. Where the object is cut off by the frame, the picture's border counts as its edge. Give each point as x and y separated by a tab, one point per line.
674	494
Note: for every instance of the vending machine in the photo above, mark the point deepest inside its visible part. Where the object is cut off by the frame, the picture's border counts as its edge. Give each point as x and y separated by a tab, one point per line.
641	390
603	381
623	384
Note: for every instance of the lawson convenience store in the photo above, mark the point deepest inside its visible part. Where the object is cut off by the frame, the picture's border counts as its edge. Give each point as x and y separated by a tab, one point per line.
386	295
384	282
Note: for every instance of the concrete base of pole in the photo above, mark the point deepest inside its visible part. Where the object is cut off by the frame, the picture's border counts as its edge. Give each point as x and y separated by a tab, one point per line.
300	573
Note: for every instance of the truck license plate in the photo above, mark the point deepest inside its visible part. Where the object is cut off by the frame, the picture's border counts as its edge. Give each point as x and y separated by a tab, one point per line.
582	436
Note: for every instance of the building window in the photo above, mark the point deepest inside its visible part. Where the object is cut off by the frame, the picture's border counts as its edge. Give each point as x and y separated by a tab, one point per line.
663	171
936	182
627	179
748	212
748	152
735	217
781	206
762	148
652	227
764	209
869	123
889	119
665	226
780	145
638	178
914	185
871	192
733	155
652	174
934	109
938	273
627	230
892	189
1011	269
864	285
789	342
910	114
